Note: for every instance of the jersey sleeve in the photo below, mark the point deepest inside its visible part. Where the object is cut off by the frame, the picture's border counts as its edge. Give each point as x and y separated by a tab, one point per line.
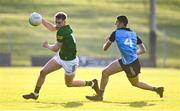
139	41
112	37
60	36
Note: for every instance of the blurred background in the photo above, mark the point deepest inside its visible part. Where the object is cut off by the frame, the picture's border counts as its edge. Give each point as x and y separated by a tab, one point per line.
92	21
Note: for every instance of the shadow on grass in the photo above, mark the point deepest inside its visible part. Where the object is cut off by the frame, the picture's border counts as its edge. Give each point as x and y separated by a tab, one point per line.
75	104
72	104
137	104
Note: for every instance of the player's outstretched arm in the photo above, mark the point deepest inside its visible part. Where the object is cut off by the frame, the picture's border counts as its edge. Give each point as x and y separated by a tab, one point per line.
106	45
54	47
50	26
142	49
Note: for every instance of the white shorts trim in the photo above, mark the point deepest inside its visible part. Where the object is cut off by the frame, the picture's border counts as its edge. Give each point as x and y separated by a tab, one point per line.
68	66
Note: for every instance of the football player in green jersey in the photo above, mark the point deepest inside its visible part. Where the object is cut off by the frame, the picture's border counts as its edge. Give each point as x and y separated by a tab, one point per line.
65	48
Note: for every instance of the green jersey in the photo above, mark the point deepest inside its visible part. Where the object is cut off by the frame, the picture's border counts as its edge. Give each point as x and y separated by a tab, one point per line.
68	50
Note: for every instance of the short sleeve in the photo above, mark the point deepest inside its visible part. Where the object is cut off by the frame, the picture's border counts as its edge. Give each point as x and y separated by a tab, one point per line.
112	37
59	36
139	41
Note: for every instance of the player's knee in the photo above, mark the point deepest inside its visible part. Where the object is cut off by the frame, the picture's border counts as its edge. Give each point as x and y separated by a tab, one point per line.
134	84
43	73
104	74
69	84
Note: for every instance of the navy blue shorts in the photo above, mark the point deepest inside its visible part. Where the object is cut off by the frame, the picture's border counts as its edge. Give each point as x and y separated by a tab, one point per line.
131	70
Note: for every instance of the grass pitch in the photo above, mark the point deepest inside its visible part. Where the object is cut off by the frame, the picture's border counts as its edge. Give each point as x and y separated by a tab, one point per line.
91	20
119	95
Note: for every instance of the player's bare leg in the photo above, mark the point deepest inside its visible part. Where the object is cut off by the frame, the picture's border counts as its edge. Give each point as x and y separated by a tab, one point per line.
73	83
111	69
49	67
70	82
135	82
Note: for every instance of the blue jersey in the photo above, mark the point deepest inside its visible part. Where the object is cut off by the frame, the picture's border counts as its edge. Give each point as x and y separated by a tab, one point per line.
127	41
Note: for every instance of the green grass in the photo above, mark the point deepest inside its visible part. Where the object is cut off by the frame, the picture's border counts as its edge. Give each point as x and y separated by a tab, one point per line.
91	20
119	95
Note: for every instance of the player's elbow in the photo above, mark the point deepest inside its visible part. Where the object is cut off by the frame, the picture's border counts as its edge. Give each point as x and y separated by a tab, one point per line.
143	50
106	46
56	50
52	29
104	49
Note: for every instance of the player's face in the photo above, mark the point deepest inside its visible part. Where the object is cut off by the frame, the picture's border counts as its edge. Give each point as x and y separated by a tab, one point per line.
119	24
59	23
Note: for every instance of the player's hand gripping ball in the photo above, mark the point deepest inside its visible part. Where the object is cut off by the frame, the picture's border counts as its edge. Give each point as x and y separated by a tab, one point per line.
35	19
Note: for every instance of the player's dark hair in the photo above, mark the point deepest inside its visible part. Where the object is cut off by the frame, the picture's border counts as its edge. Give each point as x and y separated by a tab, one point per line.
61	15
123	19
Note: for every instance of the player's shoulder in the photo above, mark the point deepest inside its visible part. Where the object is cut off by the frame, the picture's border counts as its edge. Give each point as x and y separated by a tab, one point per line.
65	30
60	31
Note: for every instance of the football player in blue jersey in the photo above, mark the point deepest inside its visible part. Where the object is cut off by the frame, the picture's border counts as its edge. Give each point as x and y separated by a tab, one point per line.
127	42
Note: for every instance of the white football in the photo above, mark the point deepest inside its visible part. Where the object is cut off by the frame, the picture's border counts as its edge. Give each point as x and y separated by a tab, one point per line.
35	19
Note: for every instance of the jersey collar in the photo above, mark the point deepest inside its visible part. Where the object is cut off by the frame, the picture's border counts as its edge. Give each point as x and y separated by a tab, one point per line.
128	29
